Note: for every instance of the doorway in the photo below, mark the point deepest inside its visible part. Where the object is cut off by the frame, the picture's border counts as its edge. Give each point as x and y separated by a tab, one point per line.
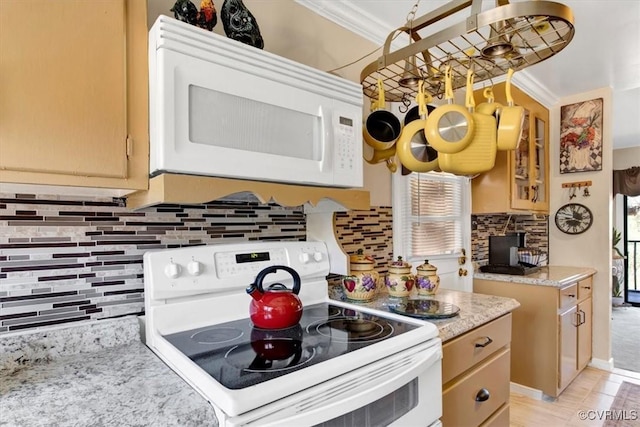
625	322
631	247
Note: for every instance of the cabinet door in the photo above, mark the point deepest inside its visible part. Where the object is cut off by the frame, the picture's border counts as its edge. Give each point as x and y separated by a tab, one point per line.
584	333
568	347
521	192
539	162
64	87
522	174
530	163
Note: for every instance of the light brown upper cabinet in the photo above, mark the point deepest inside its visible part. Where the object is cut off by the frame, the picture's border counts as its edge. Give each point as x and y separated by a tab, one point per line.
519	182
74	104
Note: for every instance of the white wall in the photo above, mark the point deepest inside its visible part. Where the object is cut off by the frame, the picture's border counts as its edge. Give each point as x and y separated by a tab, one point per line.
593	247
625	158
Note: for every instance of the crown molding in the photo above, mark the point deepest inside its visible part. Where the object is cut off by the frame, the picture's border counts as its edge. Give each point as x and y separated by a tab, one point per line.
349	15
534	89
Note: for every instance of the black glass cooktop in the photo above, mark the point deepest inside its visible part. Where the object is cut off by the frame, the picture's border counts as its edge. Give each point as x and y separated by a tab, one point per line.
238	355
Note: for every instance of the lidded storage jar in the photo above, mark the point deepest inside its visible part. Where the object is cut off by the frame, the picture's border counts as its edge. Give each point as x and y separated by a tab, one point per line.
362	281
399	281
427	281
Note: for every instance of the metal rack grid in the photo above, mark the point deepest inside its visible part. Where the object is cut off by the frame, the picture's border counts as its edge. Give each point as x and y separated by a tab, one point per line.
536	30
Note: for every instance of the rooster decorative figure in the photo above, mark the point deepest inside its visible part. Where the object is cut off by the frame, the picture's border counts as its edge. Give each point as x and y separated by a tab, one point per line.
185	11
206	17
239	24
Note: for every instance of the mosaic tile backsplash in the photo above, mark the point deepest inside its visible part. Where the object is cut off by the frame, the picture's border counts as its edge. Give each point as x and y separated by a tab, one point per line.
371	231
483	226
70	260
74	259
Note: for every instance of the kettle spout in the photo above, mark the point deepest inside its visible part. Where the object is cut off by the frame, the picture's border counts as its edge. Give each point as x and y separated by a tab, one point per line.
255	293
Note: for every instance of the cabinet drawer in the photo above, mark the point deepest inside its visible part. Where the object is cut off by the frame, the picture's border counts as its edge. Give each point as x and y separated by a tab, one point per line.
461	402
584	288
499	419
568	296
463	352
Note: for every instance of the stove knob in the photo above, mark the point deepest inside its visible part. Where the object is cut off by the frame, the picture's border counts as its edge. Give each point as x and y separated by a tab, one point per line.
172	270
194	267
317	256
304	257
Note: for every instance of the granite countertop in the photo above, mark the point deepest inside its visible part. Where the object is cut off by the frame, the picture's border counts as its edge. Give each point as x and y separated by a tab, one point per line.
553	275
475	309
94	375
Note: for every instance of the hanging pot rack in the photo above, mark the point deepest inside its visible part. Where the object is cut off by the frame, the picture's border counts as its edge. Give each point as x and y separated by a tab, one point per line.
512	35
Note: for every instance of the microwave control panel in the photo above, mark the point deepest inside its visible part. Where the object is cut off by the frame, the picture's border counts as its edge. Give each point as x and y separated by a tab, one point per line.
345	143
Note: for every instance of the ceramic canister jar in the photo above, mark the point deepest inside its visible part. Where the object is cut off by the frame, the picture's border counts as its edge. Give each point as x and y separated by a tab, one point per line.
362	281
399	281
427	281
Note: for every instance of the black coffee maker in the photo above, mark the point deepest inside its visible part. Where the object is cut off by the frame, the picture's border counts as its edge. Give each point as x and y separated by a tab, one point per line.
503	255
503	250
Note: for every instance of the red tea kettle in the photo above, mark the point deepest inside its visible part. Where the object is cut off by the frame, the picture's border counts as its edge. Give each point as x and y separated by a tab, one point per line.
277	307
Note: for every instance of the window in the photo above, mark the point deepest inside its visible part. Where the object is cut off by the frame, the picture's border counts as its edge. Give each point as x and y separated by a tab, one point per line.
431	215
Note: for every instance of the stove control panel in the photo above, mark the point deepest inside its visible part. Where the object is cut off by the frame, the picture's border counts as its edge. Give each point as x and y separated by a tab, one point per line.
181	272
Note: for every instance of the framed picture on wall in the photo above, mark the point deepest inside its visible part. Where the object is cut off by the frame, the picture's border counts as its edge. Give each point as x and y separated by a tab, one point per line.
581	136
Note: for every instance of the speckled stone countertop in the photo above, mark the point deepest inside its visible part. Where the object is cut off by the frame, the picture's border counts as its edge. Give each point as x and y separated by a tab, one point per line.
99	374
475	309
553	275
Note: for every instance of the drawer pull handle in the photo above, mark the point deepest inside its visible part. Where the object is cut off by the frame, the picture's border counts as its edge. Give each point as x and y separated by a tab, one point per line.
486	342
483	395
571	295
582	317
586	287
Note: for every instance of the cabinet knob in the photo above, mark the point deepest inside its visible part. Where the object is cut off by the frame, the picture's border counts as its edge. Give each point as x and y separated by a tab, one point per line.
483	395
487	341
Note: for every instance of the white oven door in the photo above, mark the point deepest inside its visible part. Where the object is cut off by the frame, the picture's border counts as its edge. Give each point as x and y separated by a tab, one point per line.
402	390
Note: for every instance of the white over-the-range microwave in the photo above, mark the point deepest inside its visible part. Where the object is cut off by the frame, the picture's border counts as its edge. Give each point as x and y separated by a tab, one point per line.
222	108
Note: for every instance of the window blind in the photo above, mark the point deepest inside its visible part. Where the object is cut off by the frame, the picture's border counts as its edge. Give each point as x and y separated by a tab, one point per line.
428	213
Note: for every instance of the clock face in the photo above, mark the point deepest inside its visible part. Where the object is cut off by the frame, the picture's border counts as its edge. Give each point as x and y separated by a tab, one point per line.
574	218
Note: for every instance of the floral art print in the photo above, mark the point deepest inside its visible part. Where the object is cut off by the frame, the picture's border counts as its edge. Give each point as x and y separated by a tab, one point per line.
581	137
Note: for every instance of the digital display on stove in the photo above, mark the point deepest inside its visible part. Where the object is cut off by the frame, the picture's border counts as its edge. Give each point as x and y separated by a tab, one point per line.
252	257
238	355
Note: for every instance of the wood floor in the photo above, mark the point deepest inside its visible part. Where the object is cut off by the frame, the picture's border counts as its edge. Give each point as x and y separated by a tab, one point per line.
593	390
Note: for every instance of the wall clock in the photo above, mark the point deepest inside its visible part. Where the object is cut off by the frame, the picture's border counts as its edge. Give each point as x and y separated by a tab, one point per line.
574	218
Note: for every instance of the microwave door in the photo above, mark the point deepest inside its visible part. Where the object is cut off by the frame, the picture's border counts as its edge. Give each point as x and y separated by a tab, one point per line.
219	121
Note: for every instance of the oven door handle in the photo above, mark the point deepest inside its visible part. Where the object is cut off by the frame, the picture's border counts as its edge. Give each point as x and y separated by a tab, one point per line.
350	391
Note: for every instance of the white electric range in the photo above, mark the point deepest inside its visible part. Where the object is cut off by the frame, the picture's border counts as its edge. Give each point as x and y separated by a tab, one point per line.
342	364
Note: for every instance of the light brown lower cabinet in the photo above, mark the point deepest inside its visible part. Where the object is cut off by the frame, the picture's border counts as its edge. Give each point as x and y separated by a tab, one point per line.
568	348
552	332
475	376
585	332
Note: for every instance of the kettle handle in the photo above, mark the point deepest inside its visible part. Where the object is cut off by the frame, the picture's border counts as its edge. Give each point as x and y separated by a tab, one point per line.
272	269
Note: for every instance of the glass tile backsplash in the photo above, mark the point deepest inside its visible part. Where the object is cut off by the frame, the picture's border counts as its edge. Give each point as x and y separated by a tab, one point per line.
76	259
72	259
483	226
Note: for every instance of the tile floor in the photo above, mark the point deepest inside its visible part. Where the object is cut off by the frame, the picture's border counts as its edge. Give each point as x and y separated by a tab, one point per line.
593	389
